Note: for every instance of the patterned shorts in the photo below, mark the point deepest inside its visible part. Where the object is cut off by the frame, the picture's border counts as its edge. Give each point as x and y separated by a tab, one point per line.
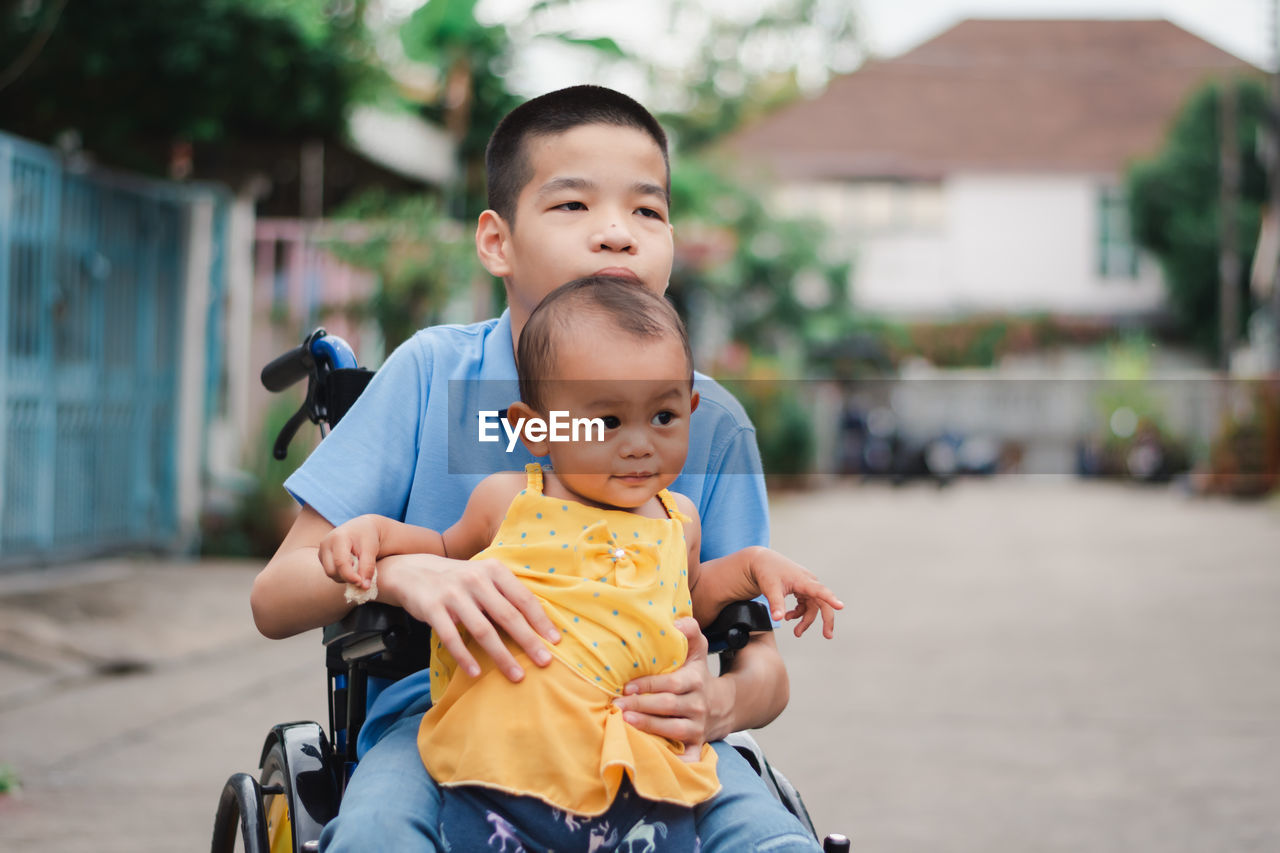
481	819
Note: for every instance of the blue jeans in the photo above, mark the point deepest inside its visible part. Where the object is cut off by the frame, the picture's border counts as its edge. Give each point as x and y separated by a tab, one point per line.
392	804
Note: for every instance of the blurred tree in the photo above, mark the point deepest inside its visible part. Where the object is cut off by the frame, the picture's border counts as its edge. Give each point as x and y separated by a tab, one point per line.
714	66
764	278
473	61
419	255
131	78
747	66
1175	211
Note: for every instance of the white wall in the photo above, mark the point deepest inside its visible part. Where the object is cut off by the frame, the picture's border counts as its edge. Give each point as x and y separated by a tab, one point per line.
191	373
998	242
229	433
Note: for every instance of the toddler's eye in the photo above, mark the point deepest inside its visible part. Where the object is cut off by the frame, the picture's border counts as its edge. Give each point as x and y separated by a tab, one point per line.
650	213
663	418
571	205
611	422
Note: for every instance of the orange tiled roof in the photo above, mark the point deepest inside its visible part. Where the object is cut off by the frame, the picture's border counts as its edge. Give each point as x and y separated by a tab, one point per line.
1055	95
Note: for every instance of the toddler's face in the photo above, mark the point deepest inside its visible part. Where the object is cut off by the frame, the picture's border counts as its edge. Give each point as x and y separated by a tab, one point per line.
640	388
596	204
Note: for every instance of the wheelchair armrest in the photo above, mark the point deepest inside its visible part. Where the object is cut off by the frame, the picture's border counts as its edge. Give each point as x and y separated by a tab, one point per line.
735	625
377	630
400	642
367	630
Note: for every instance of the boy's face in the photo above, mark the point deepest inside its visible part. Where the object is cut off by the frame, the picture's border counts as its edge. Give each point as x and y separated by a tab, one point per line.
640	389
596	204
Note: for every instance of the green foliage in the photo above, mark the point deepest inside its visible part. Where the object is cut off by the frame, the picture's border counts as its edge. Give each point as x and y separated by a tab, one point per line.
134	76
745	62
1175	212
9	783
746	67
784	425
982	341
765	275
441	31
1132	438
472	60
784	428
1245	457
418	253
262	514
756	283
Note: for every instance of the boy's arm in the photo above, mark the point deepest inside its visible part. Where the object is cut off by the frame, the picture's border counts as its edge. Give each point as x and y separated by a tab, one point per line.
693	706
736	505
756	690
293	594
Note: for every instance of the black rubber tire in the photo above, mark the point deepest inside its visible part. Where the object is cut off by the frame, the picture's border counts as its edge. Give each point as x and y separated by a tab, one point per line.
275	773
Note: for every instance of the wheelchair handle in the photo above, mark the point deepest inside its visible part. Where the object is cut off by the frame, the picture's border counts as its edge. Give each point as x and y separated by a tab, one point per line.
293	366
320	351
333	351
315	360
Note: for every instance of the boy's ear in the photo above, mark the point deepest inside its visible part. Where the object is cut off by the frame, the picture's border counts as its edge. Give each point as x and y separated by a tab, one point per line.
518	411
493	240
694	400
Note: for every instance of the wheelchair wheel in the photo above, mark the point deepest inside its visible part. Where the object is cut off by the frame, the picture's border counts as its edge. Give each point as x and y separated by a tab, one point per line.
299	791
253	814
285	811
275	806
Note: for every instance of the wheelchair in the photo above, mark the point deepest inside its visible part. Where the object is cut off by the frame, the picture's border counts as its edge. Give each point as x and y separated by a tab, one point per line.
303	768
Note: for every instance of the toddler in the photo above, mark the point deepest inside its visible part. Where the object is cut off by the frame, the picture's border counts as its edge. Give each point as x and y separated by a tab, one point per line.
550	761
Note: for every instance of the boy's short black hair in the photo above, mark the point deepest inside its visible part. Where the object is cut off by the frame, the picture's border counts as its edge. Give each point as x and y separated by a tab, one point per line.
506	159
625	304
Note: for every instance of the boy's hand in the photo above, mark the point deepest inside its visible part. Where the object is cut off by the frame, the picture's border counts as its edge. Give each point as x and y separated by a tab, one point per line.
482	596
349	552
675	705
776	577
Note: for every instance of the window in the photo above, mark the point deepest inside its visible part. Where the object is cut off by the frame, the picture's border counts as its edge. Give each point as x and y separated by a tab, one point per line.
1117	255
867	206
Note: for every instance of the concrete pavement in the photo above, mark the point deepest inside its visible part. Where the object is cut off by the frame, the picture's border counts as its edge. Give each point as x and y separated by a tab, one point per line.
1024	665
133	689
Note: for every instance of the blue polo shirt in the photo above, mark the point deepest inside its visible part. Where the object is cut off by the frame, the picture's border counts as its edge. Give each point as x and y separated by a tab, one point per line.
410	449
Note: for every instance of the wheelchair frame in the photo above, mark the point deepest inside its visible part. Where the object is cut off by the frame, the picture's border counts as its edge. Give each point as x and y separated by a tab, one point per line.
303	772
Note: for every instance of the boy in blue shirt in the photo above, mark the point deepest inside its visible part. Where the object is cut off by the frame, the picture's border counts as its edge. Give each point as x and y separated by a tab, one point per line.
578	185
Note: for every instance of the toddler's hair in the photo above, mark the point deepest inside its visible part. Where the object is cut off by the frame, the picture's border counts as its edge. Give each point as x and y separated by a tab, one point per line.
625	304
506	159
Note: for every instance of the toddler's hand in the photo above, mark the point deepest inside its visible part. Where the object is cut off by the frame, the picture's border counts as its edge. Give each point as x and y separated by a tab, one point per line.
777	577
349	552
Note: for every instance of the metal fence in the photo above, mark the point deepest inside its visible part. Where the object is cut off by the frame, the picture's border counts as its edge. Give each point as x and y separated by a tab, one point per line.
93	269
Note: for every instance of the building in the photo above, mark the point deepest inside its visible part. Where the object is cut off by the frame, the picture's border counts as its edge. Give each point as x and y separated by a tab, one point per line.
983	171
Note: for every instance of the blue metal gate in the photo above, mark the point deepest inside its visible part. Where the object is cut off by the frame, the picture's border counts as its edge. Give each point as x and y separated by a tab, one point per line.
92	271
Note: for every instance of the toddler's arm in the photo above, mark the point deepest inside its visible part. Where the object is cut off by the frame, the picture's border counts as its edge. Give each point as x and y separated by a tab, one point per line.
350	552
762	571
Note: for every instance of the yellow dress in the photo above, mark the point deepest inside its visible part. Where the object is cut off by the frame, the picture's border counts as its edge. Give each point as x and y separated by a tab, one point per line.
613	583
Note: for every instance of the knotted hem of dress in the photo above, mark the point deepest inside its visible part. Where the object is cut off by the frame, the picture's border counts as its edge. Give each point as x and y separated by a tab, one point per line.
565	770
